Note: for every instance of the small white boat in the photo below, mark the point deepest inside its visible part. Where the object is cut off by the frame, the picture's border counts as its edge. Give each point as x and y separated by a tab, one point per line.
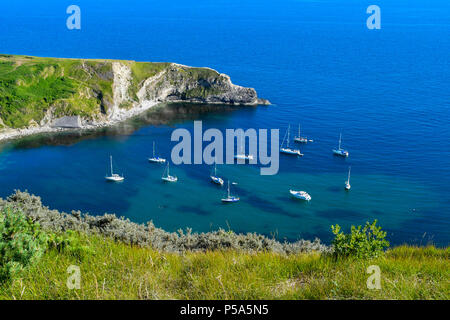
301	139
287	149
230	198
156	159
339	151
114	177
167	177
242	155
302	195
347	183
214	178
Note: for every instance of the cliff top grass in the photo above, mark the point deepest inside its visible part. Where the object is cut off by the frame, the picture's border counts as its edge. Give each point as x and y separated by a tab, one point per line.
38	245
114	270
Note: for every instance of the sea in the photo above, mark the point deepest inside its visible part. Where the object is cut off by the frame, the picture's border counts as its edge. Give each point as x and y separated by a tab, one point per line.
386	90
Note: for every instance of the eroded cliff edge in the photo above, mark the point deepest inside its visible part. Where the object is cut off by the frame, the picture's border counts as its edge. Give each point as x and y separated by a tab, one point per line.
45	94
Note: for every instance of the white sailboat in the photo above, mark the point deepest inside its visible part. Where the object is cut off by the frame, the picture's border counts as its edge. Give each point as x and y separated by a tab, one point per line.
230	198
114	177
340	152
302	195
241	155
301	139
347	183
288	150
156	159
214	178
167	177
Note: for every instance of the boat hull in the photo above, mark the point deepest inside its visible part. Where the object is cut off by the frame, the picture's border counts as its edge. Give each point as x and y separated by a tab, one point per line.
291	152
243	157
217	180
301	140
301	195
169	179
341	153
230	200
157	160
114	179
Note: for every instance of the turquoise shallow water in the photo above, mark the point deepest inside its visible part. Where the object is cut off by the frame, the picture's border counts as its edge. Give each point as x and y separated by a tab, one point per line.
387	91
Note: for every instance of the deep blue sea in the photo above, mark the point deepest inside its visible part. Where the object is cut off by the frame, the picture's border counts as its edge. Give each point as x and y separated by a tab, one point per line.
387	91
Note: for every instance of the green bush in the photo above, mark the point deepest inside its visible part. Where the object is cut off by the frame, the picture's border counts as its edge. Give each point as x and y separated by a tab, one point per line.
21	242
361	243
69	243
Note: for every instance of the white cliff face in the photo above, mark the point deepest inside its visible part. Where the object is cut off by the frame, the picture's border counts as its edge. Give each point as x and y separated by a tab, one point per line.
121	85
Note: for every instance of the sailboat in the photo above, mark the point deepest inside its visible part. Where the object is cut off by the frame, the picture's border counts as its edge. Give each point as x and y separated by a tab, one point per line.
301	139
302	195
241	155
288	150
167	177
340	152
114	177
230	198
214	178
347	183
156	159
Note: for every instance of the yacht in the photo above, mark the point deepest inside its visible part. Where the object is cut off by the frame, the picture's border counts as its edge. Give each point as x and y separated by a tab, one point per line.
166	175
230	198
347	183
301	139
114	177
339	151
242	155
302	195
287	149
214	178
156	159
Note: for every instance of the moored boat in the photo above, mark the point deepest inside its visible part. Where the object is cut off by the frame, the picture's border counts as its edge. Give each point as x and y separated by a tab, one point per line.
214	178
347	183
166	175
114	177
339	151
302	195
287	149
156	159
230	198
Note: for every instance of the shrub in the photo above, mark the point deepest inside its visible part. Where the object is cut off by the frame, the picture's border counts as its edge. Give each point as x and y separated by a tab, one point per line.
362	243
69	243
21	242
149	235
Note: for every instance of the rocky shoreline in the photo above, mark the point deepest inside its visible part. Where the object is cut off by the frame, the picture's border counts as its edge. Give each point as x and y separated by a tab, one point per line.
10	134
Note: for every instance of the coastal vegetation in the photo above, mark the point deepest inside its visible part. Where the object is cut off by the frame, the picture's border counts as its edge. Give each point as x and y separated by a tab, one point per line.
117	261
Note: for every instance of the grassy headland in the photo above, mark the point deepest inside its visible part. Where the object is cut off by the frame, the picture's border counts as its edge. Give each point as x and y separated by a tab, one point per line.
34	91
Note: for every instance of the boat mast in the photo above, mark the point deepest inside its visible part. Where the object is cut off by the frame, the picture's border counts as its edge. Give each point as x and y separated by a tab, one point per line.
229	189
110	158
287	142
349	169
340	138
153	149
299	132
